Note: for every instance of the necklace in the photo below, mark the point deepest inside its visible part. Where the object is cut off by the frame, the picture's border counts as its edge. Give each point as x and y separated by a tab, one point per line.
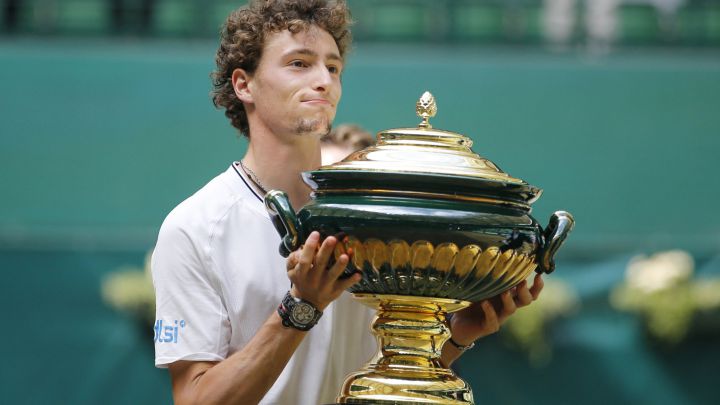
253	177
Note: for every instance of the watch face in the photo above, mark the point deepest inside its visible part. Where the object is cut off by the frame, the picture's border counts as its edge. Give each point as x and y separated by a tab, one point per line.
303	313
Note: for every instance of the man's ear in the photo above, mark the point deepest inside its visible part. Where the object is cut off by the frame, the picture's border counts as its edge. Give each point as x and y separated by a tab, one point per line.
240	81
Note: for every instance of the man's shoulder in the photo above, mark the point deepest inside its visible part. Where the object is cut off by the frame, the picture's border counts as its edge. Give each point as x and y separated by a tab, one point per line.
205	207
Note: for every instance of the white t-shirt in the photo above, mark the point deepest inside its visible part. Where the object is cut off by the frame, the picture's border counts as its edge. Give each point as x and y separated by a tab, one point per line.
218	277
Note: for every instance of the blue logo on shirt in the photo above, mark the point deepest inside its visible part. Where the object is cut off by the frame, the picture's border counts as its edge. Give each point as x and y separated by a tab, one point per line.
169	333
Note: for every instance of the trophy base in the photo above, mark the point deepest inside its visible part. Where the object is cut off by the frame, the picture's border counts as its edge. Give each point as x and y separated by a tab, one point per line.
406	370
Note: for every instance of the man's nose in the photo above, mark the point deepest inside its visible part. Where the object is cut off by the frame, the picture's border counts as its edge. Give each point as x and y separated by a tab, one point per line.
323	79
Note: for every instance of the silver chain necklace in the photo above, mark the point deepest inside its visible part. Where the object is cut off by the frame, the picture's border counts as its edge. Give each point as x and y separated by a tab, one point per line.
253	177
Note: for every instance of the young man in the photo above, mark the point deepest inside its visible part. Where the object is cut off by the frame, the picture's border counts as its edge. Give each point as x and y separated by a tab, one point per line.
218	277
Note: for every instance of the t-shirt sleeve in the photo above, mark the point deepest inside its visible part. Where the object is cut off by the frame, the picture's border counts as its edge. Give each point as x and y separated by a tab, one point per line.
191	322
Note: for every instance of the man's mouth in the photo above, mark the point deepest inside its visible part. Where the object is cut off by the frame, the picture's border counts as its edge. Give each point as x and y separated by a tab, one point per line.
319	101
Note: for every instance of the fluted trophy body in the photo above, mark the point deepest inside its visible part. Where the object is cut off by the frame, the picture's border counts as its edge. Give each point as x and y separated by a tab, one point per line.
432	227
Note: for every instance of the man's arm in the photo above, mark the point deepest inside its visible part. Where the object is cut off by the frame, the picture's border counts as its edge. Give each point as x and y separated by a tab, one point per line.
247	375
485	317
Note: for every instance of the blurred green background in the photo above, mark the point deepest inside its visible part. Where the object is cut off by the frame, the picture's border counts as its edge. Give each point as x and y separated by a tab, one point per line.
106	124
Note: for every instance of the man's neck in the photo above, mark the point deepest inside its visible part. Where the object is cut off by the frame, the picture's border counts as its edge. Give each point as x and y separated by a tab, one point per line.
278	164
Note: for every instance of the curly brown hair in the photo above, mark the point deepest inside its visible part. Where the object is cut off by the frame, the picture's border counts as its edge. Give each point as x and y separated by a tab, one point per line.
243	35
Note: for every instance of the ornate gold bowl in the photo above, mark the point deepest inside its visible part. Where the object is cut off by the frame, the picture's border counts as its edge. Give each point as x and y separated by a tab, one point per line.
432	227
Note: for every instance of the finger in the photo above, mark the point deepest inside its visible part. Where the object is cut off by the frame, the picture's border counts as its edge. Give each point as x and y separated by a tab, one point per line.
291	261
508	307
323	256
476	308
337	269
537	286
492	324
522	295
349	282
308	253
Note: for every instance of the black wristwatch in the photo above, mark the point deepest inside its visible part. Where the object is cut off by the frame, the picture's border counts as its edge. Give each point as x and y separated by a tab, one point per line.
298	313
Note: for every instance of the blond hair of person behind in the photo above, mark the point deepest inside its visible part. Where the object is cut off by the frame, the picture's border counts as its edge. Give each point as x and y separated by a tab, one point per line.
343	140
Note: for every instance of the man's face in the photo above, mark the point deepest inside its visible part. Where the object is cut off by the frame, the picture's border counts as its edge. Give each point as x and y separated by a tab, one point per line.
296	86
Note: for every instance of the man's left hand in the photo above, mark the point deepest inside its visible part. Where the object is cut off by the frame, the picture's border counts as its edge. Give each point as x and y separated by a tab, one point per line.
485	317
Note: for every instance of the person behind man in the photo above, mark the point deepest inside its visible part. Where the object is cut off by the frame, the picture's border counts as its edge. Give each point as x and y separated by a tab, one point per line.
343	140
226	327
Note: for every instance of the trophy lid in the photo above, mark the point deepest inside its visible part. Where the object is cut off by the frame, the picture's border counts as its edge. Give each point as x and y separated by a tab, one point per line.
422	159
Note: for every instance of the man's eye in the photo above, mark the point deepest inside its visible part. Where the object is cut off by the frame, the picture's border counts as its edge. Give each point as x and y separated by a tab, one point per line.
333	69
298	63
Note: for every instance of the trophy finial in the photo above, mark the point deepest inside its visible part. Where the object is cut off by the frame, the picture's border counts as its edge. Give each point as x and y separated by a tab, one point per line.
426	109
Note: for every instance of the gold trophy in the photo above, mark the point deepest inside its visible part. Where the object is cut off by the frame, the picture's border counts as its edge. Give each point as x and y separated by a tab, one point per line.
432	227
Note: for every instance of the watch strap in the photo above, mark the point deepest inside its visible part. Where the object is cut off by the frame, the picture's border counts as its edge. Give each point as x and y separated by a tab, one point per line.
288	312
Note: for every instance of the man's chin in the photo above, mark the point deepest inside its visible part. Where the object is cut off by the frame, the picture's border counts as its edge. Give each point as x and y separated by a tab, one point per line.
313	127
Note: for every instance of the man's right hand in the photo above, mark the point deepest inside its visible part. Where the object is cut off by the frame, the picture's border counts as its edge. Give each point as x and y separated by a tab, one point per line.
308	271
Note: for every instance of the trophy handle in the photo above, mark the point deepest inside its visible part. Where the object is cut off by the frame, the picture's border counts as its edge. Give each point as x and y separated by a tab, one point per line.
561	223
286	222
